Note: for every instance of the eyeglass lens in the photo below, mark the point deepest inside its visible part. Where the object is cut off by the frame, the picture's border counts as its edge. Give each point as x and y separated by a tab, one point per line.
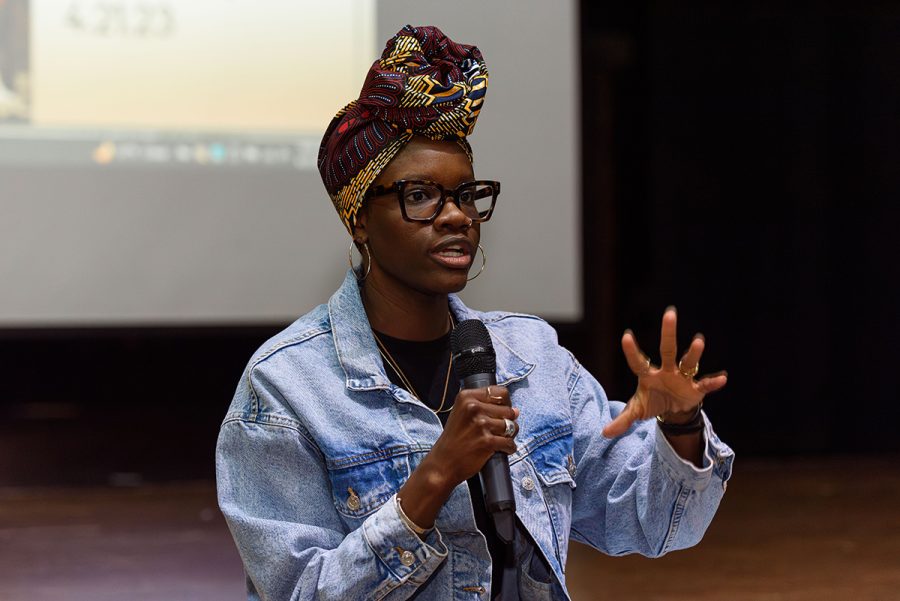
422	200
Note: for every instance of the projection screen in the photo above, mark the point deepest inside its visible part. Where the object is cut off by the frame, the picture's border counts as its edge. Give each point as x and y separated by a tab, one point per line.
157	157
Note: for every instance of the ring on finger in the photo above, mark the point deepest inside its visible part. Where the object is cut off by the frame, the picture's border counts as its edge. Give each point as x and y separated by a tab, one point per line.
510	428
689	374
491	396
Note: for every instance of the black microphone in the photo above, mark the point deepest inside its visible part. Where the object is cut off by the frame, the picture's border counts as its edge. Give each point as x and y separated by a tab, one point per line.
476	365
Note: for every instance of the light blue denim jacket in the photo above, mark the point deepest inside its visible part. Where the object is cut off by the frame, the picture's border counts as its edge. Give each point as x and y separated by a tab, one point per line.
318	440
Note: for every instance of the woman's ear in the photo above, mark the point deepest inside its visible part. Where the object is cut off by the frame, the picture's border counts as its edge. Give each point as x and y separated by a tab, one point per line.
358	231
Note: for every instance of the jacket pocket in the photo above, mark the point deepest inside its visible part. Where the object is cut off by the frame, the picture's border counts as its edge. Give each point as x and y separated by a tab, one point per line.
535	577
554	461
361	488
554	466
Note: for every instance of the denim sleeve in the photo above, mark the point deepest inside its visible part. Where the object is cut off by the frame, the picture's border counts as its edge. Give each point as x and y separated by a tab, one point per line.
275	494
634	494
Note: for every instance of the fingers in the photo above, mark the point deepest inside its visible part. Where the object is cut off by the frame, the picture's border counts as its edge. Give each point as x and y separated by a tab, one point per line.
475	430
495	395
668	345
497	427
496	409
712	383
472	405
495	434
495	431
691	358
505	445
622	422
638	362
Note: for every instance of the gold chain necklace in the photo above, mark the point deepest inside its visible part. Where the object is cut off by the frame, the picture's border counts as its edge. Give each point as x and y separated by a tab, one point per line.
386	355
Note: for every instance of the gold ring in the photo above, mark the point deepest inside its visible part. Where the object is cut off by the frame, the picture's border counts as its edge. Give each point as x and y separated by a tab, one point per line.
490	396
689	374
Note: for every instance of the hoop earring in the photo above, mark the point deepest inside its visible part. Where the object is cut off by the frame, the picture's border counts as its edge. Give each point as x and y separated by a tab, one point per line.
350	259
483	264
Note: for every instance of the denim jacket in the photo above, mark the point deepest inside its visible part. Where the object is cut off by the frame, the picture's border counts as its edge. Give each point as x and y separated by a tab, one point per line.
317	442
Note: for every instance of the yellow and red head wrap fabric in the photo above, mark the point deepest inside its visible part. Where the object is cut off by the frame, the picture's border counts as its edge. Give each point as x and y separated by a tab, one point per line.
424	84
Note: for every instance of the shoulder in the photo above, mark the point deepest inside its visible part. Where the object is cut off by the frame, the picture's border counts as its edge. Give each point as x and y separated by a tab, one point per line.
531	338
293	338
283	364
522	331
528	345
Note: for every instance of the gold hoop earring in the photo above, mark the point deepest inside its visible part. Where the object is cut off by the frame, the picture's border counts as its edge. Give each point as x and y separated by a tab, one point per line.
350	259
483	264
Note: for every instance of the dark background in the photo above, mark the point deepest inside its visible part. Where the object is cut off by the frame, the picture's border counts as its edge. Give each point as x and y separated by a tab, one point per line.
740	161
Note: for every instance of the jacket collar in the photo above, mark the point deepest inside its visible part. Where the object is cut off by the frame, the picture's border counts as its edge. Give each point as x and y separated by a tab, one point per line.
358	353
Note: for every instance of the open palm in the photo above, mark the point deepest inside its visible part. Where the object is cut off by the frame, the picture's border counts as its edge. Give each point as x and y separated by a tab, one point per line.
669	390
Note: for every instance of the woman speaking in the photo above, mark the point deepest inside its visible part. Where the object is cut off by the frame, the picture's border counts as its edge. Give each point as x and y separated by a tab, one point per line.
348	463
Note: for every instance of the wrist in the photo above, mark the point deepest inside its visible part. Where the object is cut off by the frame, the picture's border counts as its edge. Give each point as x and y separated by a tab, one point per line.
682	422
424	493
436	477
680	418
418	530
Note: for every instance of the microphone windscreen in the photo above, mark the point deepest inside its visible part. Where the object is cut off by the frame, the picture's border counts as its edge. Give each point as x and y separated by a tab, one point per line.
473	352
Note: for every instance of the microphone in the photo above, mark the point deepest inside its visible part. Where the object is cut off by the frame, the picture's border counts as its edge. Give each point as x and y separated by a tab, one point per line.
476	365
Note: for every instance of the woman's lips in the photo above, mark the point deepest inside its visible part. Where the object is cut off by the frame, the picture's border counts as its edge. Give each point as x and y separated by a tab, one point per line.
454	259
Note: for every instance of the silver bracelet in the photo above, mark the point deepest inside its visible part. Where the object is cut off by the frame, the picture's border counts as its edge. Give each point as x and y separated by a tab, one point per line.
412	525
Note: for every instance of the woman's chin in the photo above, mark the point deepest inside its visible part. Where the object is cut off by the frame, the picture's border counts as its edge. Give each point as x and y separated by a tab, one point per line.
455	282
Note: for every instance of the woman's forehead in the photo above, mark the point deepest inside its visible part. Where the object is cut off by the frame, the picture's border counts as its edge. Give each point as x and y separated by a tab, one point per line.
442	161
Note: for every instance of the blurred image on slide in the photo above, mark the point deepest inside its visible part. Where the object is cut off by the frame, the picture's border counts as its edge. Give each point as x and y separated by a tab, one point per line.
14	67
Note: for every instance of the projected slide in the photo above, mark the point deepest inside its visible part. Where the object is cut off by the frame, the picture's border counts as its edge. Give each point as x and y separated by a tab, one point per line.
157	157
14	69
196	83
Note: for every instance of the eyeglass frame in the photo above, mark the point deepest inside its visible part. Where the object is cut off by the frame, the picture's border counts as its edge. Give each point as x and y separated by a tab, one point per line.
398	185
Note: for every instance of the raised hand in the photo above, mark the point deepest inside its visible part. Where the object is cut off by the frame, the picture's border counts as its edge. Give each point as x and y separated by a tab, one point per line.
670	390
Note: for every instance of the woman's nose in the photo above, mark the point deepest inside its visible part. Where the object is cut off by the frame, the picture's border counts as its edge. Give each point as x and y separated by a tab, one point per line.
452	216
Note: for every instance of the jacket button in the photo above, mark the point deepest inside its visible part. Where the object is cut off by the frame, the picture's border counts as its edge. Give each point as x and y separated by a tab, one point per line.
407	558
353	500
527	483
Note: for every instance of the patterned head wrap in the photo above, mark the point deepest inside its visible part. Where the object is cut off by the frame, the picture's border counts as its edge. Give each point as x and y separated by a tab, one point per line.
425	84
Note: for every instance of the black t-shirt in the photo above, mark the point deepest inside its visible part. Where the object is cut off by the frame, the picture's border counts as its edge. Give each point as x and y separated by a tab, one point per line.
425	365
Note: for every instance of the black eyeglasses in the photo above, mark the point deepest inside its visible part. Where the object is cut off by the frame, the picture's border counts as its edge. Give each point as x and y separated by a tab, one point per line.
423	201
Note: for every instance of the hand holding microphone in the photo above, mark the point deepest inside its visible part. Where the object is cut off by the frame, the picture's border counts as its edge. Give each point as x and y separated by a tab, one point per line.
477	429
478	437
476	366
